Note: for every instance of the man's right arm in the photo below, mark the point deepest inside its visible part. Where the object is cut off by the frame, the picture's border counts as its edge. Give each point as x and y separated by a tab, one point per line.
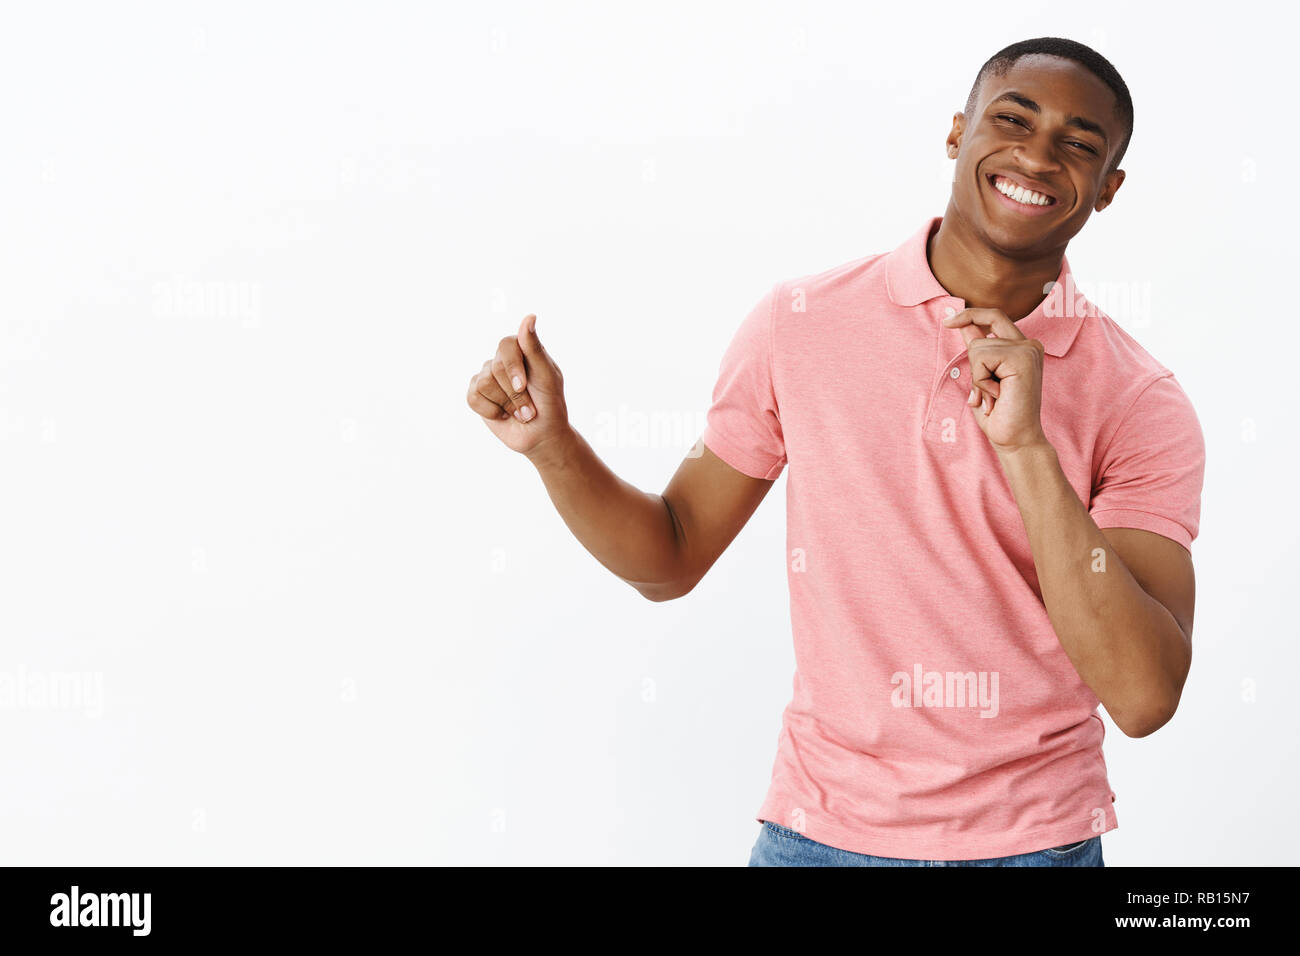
661	544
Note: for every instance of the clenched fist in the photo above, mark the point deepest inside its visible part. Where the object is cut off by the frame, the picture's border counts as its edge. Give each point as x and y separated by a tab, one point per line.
520	393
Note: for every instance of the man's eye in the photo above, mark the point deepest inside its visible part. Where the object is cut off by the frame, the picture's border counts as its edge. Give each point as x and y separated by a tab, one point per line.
1017	121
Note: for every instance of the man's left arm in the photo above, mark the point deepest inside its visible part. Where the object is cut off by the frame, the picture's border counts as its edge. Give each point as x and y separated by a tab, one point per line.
1121	599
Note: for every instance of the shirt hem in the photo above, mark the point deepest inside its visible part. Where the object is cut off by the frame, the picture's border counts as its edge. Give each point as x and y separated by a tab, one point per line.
1144	521
872	843
730	452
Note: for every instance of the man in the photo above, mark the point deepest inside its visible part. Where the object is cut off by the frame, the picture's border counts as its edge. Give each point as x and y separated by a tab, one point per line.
992	494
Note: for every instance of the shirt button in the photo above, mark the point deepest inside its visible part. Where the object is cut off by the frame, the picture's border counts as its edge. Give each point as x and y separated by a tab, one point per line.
950	311
956	373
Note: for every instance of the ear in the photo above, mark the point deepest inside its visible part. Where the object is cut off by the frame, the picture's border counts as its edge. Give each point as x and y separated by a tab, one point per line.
1113	182
953	141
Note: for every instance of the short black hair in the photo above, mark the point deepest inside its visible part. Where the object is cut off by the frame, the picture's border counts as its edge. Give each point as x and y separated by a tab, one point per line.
1090	59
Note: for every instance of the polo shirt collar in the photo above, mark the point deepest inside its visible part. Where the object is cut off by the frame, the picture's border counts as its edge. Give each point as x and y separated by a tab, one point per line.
910	282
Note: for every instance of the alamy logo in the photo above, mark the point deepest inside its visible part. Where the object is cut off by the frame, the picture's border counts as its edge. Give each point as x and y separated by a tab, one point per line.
101	909
946	689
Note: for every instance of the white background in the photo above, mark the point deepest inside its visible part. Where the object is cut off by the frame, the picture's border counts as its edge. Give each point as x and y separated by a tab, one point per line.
252	254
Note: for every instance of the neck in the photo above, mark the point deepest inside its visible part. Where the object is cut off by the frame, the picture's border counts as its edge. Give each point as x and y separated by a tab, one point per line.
986	278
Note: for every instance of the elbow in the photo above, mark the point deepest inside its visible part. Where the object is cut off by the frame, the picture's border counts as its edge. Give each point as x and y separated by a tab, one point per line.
664	591
1143	728
1146	722
1153	703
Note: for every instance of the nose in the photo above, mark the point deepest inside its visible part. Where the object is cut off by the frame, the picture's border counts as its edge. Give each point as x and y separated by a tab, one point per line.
1037	154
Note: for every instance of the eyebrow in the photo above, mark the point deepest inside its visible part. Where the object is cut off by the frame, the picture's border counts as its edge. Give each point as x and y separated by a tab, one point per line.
1078	122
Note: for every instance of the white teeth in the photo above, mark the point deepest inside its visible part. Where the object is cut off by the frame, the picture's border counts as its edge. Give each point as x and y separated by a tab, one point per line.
1020	194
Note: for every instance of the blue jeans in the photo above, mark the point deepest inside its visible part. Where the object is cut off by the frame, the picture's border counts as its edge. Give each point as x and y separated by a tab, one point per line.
781	846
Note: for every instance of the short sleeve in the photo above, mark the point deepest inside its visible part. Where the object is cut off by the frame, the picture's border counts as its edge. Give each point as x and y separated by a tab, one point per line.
1153	468
743	425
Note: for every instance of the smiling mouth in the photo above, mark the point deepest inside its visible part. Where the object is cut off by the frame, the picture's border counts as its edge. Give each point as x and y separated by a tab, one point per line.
1017	193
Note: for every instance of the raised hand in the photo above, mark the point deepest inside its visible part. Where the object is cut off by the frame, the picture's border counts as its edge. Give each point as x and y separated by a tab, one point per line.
1007	373
519	392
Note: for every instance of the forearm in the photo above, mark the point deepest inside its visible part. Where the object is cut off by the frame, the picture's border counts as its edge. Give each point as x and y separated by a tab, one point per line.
631	532
1125	645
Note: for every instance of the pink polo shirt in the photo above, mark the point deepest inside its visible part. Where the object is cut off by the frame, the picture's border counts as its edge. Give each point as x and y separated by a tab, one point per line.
935	714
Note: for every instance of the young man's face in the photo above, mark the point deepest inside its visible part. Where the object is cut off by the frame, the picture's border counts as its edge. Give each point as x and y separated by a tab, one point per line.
1062	150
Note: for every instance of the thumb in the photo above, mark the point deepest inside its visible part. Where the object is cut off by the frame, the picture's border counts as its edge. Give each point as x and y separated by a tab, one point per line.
539	362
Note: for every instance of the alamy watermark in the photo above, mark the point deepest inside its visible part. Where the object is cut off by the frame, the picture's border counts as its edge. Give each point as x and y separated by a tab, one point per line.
182	298
76	908
628	427
1126	301
53	690
923	688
